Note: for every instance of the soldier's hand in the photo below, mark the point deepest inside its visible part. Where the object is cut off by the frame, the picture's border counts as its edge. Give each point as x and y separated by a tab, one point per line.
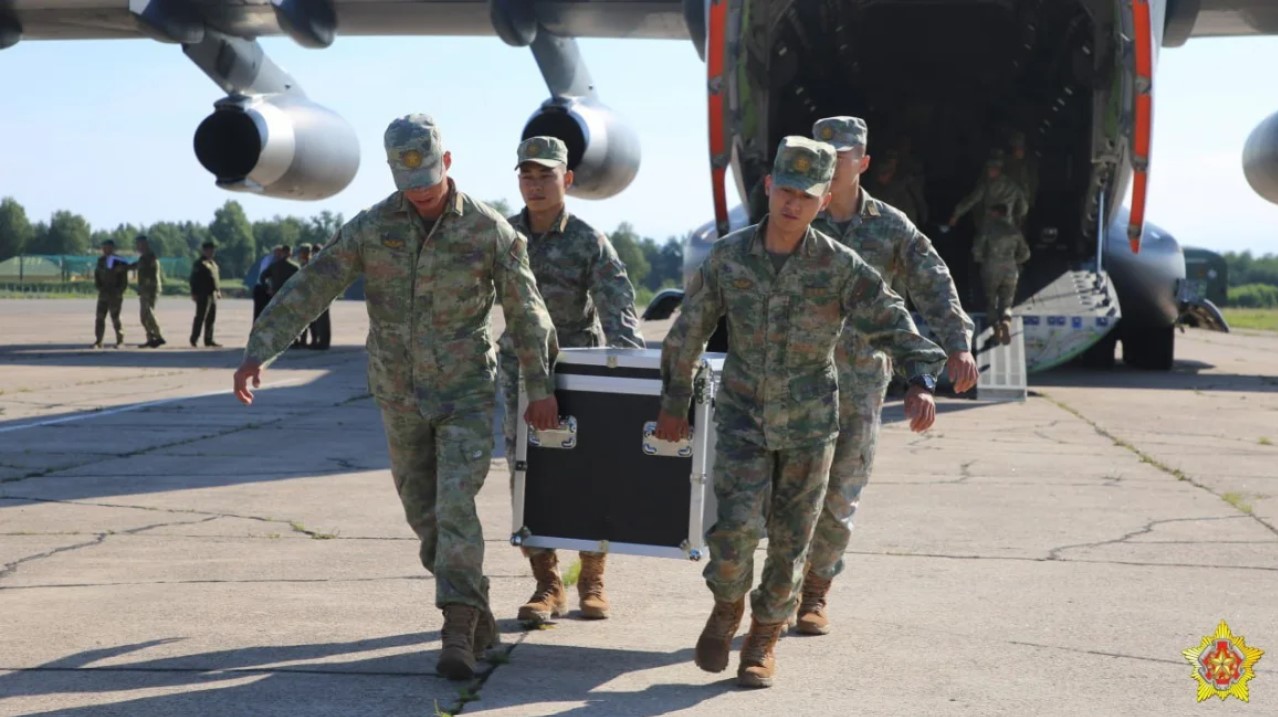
249	370
961	367
920	408
543	415
671	428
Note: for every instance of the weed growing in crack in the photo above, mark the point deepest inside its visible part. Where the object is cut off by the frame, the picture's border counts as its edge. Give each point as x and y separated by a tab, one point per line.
1238	500
572	573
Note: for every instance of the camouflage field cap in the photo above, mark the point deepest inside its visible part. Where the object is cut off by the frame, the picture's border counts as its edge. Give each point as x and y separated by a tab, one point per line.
842	133
415	152
804	164
546	151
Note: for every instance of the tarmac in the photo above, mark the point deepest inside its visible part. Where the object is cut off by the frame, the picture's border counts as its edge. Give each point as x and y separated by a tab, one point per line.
165	550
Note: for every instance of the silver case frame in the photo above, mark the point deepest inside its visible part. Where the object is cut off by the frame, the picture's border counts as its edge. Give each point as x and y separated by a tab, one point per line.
702	505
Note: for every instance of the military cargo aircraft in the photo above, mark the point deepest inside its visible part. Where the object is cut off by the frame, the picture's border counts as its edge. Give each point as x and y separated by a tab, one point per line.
948	76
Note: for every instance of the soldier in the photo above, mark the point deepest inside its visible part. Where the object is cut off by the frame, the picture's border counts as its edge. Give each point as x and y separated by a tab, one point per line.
994	188
433	261
1000	249
1021	167
281	270
111	277
786	290
261	289
904	257
322	327
592	303
304	258
148	269
897	190
206	289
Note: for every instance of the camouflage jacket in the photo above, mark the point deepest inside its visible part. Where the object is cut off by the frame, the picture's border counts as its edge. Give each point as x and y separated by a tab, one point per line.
905	258
1000	242
113	280
583	283
148	266
205	277
990	192
780	386
1024	172
429	295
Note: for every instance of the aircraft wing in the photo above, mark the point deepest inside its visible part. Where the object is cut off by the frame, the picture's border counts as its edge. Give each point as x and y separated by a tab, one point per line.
97	19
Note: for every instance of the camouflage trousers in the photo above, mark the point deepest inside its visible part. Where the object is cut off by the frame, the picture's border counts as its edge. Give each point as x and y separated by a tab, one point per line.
1000	288
439	464
755	486
862	388
508	383
108	304
146	302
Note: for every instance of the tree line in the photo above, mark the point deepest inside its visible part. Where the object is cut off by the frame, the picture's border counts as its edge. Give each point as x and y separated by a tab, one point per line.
1253	280
241	243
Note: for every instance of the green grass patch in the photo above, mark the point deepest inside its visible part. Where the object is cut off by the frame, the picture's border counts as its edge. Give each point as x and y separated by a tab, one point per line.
1265	441
1254	319
572	573
1238	500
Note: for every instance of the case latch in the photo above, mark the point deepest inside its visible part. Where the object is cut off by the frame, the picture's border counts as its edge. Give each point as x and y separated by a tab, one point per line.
565	436
653	446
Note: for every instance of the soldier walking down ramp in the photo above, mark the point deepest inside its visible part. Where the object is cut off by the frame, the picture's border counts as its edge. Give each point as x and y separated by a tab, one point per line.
907	261
433	261
111	277
786	290
1000	249
592	303
994	188
206	289
148	269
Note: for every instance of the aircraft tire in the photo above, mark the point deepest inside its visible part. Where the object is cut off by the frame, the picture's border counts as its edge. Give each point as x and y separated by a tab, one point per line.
1151	349
1101	354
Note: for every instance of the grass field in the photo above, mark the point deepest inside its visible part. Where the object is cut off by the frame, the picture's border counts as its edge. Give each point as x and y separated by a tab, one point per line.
1256	319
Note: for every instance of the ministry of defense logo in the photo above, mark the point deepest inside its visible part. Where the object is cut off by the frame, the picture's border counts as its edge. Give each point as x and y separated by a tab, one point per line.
802	165
1223	664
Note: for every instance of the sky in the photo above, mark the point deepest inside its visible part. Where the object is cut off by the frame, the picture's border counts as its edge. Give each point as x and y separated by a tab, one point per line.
104	128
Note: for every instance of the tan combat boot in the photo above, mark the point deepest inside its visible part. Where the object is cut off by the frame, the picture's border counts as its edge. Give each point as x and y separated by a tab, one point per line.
550	599
715	643
758	656
590	586
812	618
457	658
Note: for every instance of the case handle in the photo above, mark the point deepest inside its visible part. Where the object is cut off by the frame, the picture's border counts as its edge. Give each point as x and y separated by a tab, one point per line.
653	446
565	436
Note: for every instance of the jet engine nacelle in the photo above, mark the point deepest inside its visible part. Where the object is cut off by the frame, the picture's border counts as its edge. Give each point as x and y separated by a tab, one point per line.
1260	158
603	151
279	146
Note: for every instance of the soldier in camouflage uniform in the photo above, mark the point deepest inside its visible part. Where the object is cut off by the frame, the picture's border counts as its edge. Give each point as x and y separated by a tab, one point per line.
886	240
786	290
148	269
111	277
901	192
1000	249
1021	166
994	188
434	261
592	303
206	289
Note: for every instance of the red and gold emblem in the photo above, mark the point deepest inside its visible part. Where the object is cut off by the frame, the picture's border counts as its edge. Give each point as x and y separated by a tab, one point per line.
1223	663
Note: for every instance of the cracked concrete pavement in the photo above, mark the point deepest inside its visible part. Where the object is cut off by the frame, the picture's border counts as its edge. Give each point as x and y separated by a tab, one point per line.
165	551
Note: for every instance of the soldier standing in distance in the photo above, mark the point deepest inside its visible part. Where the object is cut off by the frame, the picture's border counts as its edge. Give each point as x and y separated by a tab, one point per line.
786	290
1021	166
322	327
111	277
905	258
433	261
994	188
206	289
148	268
1000	249
592	303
